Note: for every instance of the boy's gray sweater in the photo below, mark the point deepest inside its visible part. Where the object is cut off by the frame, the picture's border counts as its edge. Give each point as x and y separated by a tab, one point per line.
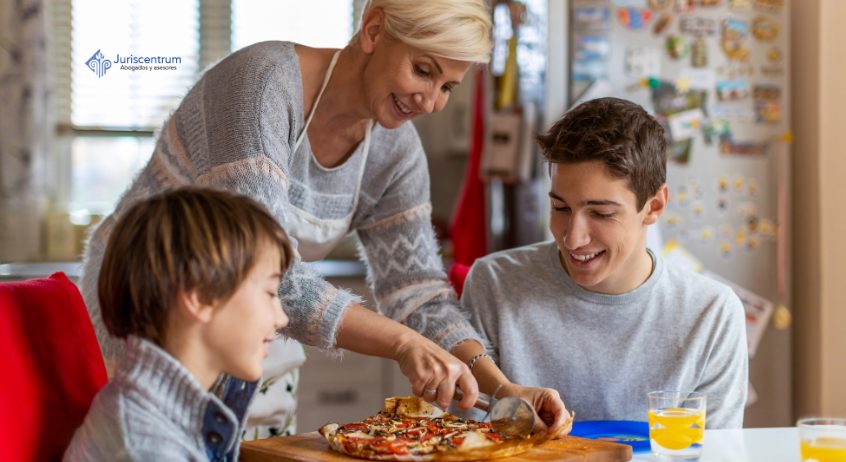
678	331
154	410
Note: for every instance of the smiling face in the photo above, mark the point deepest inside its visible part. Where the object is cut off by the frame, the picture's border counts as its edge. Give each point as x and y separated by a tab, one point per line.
599	231
402	82
242	328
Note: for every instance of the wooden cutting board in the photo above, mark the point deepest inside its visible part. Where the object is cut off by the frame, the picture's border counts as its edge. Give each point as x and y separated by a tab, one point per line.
312	447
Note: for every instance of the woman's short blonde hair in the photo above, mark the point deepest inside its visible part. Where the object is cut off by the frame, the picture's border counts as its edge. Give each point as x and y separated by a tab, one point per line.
452	29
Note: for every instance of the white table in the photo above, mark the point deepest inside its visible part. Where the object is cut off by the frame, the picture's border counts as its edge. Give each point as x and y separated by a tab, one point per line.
746	445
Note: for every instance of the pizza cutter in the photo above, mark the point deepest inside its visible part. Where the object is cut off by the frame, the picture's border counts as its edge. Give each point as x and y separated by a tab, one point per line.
511	416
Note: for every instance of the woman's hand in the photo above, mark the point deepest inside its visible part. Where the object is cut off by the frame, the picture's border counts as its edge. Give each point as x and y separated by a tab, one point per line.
434	373
553	416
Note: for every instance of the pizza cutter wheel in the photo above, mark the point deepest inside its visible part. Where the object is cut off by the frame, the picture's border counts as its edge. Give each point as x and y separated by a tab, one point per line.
513	417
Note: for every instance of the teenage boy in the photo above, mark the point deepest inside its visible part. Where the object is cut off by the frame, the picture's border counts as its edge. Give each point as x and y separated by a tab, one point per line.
190	280
594	314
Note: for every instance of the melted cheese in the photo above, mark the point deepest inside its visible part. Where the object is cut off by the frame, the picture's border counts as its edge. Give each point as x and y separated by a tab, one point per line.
474	440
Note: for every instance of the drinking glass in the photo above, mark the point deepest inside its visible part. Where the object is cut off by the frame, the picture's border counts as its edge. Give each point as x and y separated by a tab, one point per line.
822	439
676	424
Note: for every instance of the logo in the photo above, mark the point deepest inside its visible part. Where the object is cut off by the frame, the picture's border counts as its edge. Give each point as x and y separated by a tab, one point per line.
98	64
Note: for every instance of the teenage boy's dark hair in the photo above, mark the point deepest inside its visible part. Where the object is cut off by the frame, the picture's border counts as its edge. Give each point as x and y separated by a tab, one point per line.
618	133
187	239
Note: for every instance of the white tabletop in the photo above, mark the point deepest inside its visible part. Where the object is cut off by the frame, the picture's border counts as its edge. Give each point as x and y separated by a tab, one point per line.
747	445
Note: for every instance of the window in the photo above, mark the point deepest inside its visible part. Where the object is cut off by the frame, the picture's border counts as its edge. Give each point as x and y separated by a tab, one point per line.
120	68
317	23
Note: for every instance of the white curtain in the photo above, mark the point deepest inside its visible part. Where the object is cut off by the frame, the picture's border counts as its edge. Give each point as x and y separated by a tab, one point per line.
25	127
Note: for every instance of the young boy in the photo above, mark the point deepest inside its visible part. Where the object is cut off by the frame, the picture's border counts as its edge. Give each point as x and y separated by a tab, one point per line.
595	314
190	280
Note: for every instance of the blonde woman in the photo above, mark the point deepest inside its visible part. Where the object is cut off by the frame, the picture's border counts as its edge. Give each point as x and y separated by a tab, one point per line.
320	137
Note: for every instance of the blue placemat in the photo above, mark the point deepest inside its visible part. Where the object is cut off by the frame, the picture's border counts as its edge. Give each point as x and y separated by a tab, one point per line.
631	432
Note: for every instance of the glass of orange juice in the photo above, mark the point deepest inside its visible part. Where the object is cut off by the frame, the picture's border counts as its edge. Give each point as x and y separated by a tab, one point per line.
822	439
676	424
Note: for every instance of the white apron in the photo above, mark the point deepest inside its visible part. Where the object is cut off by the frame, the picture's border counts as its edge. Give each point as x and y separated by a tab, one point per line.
273	409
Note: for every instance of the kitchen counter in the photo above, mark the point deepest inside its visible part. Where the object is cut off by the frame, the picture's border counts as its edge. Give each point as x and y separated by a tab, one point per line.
18	271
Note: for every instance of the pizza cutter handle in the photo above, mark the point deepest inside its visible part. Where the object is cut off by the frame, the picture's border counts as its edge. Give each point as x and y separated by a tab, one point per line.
483	402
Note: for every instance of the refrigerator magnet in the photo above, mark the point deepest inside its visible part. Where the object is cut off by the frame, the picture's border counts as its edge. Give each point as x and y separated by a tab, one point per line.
772	70
685	125
634	18
715	128
734	33
631	3
694	188
684	5
697	209
764	28
746	210
770	6
782	318
767	228
767	103
740	4
673	220
699	53
660	4
662	23
752	223
725	249
642	62
699	26
591	18
740	237
591	48
752	148
676	47
753	187
732	90
679	151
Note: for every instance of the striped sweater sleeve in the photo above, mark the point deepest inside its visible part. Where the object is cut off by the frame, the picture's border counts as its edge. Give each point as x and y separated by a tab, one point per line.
404	267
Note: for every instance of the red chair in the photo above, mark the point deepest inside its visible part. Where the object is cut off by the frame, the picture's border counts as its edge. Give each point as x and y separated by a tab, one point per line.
51	366
457	275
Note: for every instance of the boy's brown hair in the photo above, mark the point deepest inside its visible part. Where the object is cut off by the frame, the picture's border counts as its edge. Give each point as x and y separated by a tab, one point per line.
188	239
618	133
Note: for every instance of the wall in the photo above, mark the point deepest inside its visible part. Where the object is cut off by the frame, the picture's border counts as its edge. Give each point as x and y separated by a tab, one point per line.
832	219
818	167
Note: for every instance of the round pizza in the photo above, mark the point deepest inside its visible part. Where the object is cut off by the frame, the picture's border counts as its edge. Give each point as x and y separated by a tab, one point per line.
410	429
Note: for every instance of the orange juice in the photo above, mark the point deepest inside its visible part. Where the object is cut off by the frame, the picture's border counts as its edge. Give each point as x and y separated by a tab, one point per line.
676	428
824	449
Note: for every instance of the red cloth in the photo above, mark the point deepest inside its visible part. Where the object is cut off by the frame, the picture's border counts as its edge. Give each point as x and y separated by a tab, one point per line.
468	229
51	365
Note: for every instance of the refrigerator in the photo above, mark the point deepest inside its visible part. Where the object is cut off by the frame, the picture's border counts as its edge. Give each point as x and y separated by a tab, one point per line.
715	74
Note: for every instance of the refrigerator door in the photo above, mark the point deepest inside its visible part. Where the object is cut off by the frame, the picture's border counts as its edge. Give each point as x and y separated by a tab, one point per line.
715	73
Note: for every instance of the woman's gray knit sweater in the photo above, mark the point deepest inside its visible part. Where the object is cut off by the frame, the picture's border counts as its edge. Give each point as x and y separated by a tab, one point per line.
235	130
